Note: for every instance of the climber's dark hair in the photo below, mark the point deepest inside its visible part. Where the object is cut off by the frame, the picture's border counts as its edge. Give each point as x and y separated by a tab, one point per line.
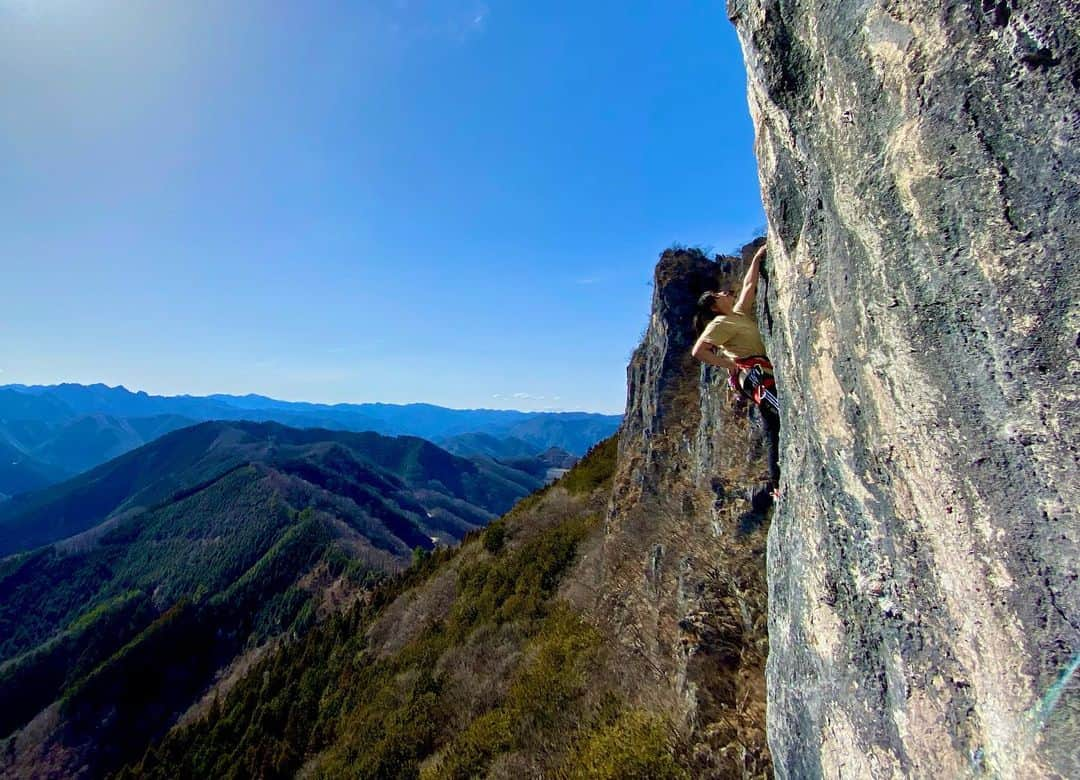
704	313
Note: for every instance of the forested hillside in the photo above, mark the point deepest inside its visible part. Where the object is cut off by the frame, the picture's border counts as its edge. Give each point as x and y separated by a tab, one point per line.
472	662
201	551
443	493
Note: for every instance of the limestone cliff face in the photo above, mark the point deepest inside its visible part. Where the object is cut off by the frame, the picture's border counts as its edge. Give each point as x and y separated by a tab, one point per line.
920	168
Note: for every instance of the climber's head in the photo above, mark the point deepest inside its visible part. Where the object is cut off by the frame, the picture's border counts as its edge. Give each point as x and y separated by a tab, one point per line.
713	304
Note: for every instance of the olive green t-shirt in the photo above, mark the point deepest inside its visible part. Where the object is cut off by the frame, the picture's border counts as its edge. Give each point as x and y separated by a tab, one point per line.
736	334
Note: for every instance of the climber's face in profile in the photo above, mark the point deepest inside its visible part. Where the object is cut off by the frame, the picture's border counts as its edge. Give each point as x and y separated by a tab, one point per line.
723	302
712	304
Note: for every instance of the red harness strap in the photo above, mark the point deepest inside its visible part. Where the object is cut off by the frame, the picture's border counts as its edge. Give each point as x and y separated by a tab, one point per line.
761	379
746	363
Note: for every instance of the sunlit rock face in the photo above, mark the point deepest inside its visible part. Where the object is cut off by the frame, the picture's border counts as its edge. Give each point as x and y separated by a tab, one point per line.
919	164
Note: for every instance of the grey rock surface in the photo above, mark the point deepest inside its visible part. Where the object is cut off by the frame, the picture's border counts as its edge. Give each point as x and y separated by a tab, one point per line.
920	168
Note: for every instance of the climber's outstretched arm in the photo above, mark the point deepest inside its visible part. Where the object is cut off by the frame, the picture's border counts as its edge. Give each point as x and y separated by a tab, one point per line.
749	285
708	353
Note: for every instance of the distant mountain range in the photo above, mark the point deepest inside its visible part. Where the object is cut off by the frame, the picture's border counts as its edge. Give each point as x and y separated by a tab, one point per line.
447	495
172	561
49	433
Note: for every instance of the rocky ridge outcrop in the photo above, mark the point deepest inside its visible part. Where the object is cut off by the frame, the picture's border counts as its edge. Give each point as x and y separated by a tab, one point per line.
920	168
679	579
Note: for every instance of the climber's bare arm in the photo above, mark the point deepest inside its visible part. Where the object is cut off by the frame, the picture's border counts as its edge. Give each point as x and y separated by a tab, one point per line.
749	285
708	353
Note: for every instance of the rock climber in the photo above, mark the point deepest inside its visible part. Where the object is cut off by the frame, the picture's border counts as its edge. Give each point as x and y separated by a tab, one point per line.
730	339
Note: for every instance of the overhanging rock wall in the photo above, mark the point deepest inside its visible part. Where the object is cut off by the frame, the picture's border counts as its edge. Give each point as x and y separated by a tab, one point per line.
919	164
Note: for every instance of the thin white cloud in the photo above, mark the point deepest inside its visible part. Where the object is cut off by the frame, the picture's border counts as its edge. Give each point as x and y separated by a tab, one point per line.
472	23
530	397
422	22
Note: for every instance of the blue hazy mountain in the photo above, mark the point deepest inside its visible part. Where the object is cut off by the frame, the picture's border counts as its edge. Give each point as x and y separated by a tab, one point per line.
49	433
19	472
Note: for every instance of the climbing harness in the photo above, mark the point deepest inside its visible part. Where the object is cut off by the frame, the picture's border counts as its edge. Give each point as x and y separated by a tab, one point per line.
755	373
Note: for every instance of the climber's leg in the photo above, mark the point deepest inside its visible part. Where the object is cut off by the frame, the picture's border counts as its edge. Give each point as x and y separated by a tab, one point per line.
770	421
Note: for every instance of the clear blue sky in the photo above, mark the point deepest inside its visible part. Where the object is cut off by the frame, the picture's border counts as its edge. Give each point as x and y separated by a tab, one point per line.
447	201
